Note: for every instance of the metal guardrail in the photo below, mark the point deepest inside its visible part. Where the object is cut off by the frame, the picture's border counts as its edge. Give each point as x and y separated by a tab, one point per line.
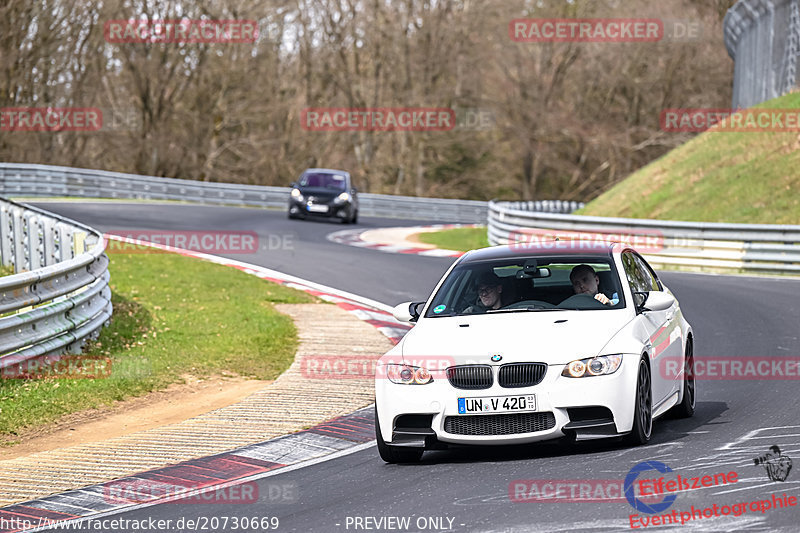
42	180
58	296
694	245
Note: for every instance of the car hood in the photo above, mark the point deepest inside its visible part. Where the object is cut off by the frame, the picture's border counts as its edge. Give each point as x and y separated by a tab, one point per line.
553	337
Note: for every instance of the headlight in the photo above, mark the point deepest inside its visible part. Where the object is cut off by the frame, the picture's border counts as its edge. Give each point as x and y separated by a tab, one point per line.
408	375
297	195
344	197
594	366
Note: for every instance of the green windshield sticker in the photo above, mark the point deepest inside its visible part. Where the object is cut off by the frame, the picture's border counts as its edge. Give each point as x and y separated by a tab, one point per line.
439	308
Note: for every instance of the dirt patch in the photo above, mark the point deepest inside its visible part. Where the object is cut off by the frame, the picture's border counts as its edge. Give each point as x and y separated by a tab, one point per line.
414	237
176	403
398	236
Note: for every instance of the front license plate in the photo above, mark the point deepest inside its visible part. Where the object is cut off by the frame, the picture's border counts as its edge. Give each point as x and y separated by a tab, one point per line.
318	208
497	404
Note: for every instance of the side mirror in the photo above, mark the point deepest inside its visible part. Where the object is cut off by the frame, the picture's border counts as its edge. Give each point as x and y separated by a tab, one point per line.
407	311
653	300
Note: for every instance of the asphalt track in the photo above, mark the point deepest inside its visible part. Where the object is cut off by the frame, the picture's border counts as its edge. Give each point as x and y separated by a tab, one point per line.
467	489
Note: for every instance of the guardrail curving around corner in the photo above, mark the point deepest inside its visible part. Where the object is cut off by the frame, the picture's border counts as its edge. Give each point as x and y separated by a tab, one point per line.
763	248
58	296
18	179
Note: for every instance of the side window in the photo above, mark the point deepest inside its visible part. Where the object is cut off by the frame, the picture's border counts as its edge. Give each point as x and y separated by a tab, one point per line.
634	274
647	274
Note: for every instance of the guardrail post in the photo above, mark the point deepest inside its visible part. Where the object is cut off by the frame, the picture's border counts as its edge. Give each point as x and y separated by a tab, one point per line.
6	236
48	238
64	240
18	241
33	250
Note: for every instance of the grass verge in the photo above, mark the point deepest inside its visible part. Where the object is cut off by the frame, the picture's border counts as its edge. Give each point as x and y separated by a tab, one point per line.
173	316
461	239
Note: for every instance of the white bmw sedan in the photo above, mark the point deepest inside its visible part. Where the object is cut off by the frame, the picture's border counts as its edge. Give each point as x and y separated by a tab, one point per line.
515	345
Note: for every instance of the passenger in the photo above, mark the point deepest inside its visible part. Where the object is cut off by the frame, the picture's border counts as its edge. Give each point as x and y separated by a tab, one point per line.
490	289
586	281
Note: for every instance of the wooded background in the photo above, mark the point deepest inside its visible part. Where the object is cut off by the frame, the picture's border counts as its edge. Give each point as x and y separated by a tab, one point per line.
569	119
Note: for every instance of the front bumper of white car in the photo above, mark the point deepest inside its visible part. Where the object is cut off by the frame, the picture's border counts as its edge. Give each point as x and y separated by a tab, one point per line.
587	407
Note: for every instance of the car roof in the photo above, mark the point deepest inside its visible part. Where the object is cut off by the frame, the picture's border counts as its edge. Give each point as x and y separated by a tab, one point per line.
326	171
542	249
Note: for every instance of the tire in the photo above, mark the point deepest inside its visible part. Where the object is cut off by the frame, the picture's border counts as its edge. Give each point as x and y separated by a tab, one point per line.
685	409
643	410
354	220
395	454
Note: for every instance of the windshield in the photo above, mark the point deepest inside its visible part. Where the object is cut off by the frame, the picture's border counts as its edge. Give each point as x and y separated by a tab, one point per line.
320	179
528	284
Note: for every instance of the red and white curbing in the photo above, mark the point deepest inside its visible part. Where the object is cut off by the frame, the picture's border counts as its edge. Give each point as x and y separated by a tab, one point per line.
366	309
354	237
196	480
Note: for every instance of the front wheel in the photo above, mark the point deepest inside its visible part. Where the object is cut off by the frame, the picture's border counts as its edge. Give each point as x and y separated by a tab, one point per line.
395	454
643	410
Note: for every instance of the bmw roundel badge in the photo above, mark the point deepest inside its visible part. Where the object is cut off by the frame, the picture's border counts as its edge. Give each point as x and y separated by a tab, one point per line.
496	357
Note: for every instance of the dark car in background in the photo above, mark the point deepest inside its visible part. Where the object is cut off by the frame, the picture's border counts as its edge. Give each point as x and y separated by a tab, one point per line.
326	193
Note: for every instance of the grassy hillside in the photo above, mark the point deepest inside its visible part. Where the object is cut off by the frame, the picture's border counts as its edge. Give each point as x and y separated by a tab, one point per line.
716	177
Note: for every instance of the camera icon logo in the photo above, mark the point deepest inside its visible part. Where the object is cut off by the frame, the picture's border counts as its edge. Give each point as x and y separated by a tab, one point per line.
776	464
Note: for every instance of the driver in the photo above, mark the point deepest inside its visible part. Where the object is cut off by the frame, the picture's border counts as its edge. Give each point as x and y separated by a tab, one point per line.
489	289
586	281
